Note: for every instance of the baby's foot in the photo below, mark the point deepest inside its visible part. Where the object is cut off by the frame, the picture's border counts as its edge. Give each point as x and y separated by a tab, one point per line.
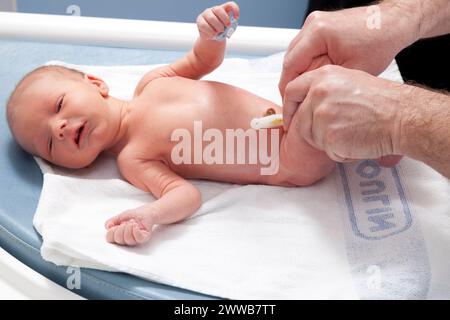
129	228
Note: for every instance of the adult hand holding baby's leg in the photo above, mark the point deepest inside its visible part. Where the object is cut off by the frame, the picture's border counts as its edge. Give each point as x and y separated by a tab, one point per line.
131	228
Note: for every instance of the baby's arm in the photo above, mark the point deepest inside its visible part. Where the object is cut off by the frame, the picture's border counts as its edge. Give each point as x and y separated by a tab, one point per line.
207	53
177	200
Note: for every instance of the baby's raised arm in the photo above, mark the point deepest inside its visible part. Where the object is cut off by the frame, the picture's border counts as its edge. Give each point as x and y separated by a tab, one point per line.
177	200
207	53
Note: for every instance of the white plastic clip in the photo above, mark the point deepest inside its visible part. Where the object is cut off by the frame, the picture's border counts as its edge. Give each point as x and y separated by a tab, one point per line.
228	32
267	122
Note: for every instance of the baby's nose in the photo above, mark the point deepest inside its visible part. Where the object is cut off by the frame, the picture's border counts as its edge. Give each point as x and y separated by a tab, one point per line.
61	129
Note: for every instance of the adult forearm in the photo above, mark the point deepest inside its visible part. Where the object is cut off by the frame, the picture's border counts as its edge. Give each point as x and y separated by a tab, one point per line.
425	18
425	128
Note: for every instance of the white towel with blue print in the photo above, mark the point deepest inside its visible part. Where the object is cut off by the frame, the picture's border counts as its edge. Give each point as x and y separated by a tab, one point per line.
363	232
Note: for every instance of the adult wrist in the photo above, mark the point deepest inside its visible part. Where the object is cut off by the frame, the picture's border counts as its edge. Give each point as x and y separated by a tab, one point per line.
403	22
425	131
420	114
405	121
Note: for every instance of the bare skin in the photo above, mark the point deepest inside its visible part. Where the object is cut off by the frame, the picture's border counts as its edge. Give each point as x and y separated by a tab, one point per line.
343	38
139	132
351	114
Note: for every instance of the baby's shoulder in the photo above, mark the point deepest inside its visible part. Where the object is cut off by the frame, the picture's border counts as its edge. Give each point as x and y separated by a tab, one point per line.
129	165
128	159
131	161
134	168
152	77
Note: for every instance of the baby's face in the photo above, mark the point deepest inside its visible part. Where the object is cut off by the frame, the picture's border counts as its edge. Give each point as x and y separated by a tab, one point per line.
65	121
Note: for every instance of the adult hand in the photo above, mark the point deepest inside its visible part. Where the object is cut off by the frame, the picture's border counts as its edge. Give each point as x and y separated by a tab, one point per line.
347	113
364	38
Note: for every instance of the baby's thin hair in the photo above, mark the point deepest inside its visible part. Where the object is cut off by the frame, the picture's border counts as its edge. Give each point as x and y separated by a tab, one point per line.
40	71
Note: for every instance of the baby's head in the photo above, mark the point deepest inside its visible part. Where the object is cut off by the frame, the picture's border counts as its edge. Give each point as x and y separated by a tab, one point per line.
61	115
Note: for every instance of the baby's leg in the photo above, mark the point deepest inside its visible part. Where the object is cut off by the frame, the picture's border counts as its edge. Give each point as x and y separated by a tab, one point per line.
300	163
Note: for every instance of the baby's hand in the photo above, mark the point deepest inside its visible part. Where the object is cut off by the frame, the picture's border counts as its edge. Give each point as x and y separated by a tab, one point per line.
214	20
129	228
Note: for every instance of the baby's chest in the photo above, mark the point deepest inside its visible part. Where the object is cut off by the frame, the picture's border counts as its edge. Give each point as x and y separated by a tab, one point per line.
153	130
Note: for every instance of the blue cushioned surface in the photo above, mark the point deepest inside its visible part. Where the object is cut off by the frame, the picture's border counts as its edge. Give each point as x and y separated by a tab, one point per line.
21	179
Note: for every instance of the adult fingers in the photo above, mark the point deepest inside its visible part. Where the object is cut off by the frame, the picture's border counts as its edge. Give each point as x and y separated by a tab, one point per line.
296	91
335	157
389	161
312	16
294	41
300	57
304	122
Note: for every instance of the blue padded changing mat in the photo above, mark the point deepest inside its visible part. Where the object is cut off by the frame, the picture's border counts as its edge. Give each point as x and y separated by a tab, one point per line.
21	179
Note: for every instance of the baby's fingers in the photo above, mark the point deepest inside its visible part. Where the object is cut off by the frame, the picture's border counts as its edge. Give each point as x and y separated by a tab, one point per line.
110	234
213	21
128	235
117	220
222	15
115	234
119	234
140	235
204	28
231	6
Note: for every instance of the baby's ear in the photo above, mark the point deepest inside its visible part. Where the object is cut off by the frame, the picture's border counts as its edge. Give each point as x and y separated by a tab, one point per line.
99	83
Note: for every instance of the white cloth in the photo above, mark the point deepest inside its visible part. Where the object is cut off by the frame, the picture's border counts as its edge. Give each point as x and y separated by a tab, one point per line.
363	232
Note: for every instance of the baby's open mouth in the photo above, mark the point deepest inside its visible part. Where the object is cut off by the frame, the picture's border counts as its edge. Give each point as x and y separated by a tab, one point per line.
79	132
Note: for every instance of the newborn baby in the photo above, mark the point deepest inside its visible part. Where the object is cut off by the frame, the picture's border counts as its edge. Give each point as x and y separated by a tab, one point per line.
68	118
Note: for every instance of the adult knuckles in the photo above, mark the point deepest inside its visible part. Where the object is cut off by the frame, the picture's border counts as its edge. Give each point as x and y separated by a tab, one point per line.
329	69
320	90
314	16
290	89
288	61
332	137
319	27
322	112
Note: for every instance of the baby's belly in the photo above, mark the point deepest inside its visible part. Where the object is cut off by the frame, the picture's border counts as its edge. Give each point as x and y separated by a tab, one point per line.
234	155
204	130
232	173
180	103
